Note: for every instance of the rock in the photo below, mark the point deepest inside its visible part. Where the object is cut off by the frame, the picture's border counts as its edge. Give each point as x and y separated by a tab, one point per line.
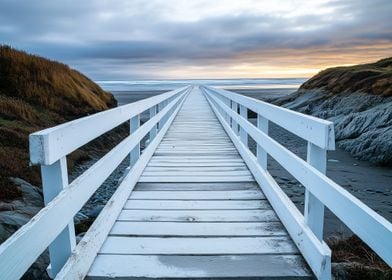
363	122
80	236
93	213
31	194
10	221
352	270
358	99
38	269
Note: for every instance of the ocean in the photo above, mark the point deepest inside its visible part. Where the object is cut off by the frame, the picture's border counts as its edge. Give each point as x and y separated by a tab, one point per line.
131	91
152	85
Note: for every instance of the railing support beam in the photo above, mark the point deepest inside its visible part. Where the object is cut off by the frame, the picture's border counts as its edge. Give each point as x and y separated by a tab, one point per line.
314	208
234	124
153	132
160	108
243	134
54	180
262	156
135	153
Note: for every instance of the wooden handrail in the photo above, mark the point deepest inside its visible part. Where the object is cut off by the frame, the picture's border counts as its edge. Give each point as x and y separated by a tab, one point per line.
49	145
375	230
18	252
317	131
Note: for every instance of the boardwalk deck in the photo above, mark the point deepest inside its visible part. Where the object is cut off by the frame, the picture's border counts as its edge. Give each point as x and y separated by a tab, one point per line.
197	203
197	212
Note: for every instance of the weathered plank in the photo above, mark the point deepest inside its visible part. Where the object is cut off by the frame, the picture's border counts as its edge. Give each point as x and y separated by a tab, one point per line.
198	245
198	215
207	267
225	186
196	204
198	229
200	195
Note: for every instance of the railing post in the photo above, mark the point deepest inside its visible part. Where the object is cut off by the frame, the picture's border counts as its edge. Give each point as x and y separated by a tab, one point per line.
161	121
135	153
54	180
153	132
227	102
314	209
234	124
262	124
243	134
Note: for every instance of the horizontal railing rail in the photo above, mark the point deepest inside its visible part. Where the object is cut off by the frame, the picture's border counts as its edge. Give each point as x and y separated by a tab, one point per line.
305	230
53	225
49	145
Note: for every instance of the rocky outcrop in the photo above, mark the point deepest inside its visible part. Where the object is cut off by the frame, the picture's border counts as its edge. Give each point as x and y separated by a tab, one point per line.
358	101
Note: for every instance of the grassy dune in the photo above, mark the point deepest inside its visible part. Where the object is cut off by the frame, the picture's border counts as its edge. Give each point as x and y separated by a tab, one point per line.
374	78
36	93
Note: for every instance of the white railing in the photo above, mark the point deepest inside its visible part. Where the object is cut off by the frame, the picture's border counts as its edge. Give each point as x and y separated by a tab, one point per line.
53	226
306	230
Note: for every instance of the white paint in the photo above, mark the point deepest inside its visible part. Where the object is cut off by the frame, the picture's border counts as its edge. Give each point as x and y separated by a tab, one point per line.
202	246
196	204
54	180
18	252
315	130
367	224
49	145
187	229
85	252
316	253
314	209
135	153
200	195
262	156
198	267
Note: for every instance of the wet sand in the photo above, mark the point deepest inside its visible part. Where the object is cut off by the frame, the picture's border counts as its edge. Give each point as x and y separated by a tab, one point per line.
371	184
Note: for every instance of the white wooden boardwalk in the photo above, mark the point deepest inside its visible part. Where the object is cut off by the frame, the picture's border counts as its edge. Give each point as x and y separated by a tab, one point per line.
197	212
197	203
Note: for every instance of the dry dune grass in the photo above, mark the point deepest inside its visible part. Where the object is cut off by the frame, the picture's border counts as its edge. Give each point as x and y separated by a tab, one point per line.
36	93
374	78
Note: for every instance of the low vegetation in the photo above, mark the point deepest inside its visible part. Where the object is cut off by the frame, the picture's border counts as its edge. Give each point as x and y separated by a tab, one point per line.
36	93
374	78
355	260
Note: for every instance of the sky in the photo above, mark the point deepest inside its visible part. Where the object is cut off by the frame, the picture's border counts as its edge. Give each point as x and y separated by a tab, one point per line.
174	39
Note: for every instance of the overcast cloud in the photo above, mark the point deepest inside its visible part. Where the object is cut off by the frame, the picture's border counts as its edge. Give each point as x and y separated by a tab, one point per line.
200	39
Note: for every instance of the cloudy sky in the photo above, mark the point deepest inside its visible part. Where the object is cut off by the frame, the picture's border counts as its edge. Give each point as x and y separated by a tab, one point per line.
199	39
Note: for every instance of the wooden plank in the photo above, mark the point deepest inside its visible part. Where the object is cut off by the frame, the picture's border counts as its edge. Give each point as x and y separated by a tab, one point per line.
199	267
200	195
201	179
195	173
196	204
194	164
187	229
194	245
198	216
226	186
181	169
